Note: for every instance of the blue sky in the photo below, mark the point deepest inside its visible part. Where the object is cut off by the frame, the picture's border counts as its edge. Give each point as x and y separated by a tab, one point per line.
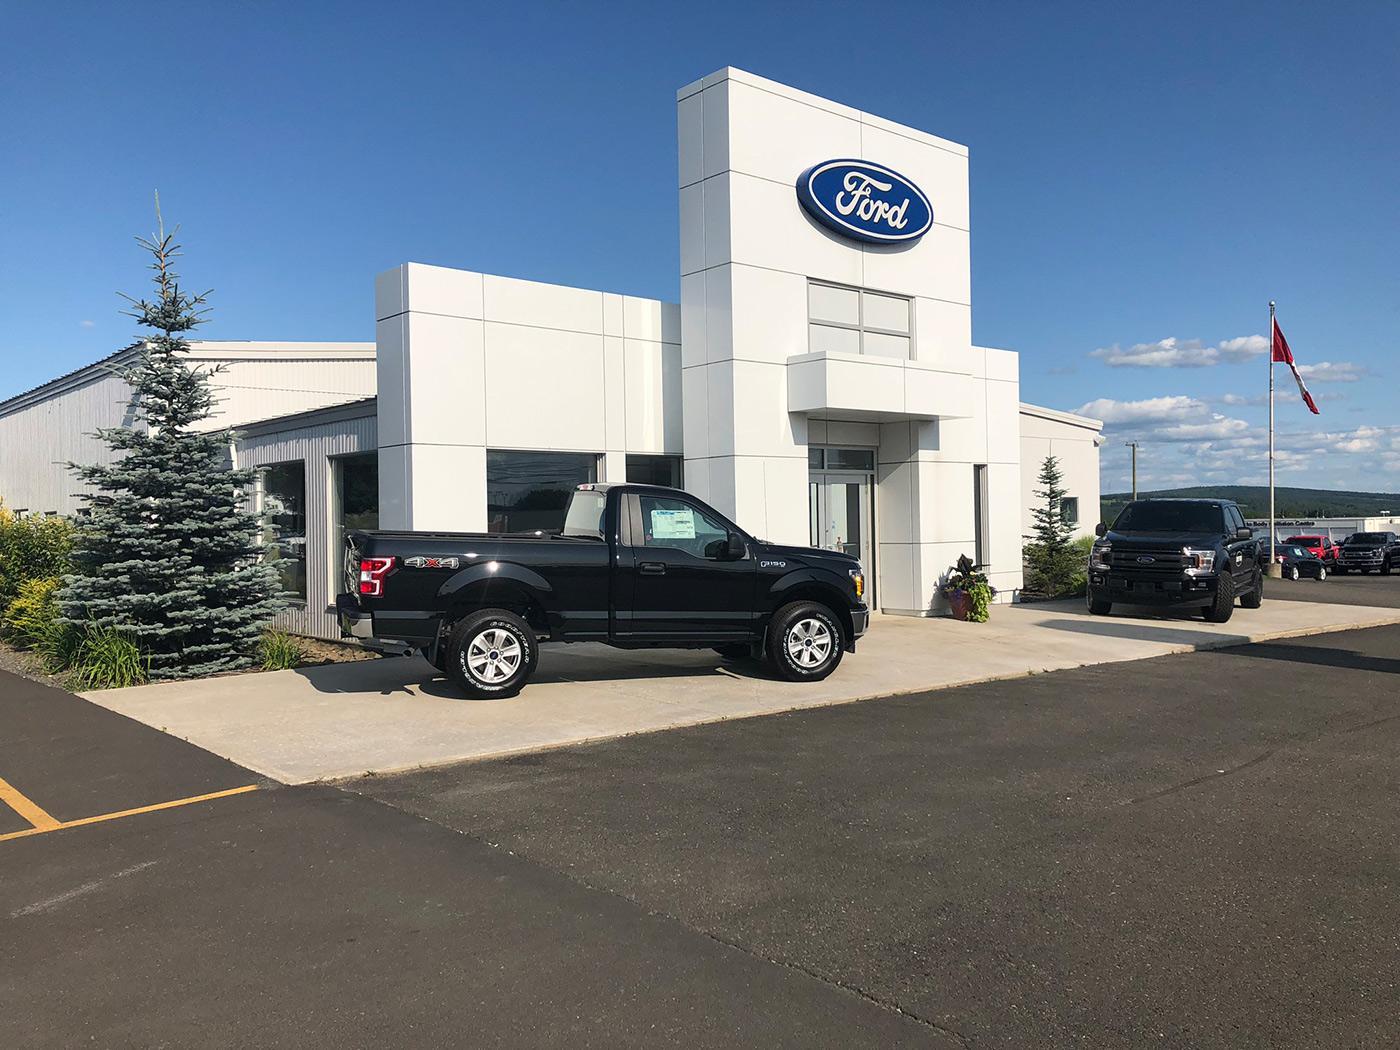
1144	179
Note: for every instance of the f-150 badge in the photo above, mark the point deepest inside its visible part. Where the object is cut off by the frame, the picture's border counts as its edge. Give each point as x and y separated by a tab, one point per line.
420	562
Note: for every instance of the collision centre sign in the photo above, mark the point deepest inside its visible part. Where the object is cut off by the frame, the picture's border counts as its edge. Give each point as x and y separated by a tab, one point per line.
865	201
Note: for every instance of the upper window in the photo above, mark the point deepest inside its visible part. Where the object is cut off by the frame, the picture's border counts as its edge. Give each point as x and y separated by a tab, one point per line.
654	470
675	523
857	321
284	513
1069	510
529	491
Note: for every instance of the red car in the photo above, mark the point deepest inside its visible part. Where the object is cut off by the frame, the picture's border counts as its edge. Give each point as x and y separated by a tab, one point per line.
1319	546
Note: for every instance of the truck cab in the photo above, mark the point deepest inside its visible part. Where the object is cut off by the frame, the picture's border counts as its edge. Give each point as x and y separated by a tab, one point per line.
1182	553
633	566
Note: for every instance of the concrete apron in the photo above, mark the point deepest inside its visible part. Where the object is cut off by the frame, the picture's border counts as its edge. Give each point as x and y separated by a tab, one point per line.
344	720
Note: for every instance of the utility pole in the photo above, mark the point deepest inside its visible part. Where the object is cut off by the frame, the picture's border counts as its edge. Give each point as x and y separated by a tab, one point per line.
1134	446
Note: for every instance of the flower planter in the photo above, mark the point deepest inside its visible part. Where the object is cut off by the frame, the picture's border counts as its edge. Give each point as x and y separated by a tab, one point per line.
960	602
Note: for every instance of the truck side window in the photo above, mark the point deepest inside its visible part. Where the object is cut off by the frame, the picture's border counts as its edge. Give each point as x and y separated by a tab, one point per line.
674	523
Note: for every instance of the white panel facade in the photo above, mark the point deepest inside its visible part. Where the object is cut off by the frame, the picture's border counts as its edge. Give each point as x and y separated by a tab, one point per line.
749	253
1074	442
470	362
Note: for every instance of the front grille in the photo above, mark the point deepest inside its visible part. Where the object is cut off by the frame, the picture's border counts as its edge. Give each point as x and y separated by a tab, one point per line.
1165	561
1361	556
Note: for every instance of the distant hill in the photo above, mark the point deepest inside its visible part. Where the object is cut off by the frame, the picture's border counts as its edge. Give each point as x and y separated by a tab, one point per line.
1289	503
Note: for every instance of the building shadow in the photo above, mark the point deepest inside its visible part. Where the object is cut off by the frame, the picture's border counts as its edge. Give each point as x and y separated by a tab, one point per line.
1108	627
1347	659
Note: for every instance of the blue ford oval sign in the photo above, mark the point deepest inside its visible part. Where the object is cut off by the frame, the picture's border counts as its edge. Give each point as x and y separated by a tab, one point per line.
865	201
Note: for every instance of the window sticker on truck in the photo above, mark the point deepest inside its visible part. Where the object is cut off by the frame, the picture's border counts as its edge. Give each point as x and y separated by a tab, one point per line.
673	524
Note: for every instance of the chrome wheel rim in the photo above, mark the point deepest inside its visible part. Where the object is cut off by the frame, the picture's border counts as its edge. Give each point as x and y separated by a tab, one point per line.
494	655
1322	573
809	642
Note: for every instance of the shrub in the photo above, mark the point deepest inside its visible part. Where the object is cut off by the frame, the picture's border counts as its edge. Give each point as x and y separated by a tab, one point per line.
107	659
33	613
1079	581
31	548
279	651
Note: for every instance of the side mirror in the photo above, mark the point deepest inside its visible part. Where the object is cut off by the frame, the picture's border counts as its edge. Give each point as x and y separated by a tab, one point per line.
734	548
1100	529
1244	533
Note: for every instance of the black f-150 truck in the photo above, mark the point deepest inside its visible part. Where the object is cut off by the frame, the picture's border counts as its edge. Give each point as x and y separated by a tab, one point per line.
635	566
1186	553
1369	552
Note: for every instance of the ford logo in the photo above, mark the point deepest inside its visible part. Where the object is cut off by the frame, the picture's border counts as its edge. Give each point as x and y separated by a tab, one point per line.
1146	561
864	201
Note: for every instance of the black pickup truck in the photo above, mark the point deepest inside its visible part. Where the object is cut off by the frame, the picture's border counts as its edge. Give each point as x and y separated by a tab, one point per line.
635	566
1369	552
1186	553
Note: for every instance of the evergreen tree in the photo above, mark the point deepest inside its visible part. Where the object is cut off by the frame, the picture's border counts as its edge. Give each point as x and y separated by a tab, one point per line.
1051	560
167	554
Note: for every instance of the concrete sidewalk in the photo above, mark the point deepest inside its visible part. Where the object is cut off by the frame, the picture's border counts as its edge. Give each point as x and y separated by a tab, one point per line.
393	714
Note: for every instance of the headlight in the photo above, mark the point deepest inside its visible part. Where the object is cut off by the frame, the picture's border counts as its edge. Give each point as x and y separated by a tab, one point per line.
1198	561
858	581
1098	556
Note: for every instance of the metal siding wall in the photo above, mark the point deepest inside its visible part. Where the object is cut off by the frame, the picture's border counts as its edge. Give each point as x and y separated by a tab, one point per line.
315	446
35	442
37	439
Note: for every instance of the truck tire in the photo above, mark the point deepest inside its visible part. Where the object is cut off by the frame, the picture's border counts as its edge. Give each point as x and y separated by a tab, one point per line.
1255	597
1223	606
1385	567
805	643
1098	606
491	654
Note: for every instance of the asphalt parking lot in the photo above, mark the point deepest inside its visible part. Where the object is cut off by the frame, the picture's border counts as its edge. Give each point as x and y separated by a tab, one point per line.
1373	589
1193	850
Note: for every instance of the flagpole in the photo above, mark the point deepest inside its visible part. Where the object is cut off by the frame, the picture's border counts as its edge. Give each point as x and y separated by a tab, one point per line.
1273	524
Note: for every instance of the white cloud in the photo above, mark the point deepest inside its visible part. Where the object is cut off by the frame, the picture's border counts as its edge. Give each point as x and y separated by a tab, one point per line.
1334	372
87	324
1151	410
1182	353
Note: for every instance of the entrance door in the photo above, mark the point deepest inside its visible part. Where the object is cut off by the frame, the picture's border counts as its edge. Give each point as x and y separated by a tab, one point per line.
841	519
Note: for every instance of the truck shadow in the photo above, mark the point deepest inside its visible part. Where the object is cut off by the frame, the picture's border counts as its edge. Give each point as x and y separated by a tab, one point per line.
1134	630
1347	659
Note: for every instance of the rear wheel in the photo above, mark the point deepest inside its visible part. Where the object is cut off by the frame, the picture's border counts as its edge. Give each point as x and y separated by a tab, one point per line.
1223	606
805	642
491	654
1255	597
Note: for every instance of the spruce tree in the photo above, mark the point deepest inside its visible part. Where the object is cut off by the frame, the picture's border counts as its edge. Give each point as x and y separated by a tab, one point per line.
167	553
1050	558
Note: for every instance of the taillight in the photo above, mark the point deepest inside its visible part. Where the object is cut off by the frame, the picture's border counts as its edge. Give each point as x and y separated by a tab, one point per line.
372	573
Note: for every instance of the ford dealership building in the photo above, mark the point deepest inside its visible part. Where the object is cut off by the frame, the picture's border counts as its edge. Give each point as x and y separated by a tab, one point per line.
817	382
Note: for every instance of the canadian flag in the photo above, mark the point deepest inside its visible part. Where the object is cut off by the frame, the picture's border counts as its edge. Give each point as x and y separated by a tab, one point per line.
1284	354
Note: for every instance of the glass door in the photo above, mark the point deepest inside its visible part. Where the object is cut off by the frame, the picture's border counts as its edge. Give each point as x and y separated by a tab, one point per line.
841	519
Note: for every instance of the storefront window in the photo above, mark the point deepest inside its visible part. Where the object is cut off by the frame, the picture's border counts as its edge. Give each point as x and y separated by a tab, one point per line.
284	515
654	470
529	491
357	489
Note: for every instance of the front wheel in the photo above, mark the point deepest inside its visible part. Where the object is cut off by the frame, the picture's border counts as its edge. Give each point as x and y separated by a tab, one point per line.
805	642
1293	573
1321	573
491	654
1099	607
1223	606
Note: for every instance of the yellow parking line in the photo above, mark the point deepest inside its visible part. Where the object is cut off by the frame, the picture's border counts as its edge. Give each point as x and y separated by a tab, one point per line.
56	825
26	807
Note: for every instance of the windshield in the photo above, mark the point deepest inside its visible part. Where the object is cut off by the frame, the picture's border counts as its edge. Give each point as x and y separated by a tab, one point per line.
1369	537
585	517
1170	517
1297	552
1306	541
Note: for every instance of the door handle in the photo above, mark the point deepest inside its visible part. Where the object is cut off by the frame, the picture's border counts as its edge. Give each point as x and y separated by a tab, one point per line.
652	568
